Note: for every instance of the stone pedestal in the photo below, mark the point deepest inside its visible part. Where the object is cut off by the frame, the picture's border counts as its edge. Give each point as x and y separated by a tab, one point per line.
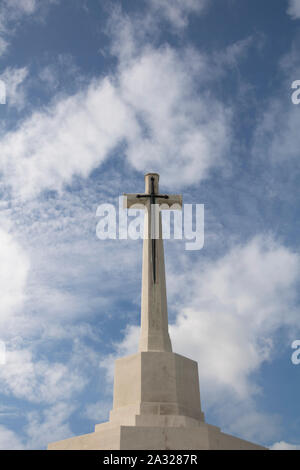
117	437
156	407
155	383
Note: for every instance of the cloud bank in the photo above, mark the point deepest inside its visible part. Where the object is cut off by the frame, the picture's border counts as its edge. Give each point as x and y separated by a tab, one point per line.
157	103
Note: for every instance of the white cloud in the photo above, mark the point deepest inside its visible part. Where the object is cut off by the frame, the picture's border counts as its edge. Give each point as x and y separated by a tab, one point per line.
67	281
232	54
25	6
99	411
42	427
128	346
13	79
157	102
294	9
181	132
54	75
177	12
284	446
49	76
72	137
49	425
48	387
39	381
276	136
14	10
242	419
253	284
3	46
183	129
14	269
152	104
9	440
238	303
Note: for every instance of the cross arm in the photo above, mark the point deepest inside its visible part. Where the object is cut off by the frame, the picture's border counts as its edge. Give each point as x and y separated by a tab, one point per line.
130	200
164	201
174	201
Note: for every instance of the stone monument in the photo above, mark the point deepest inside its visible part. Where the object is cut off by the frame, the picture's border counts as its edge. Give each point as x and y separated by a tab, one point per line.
156	403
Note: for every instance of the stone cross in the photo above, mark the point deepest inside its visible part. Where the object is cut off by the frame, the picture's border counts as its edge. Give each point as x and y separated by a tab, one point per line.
154	312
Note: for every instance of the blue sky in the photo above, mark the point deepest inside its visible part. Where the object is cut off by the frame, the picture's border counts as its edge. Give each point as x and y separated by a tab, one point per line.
99	93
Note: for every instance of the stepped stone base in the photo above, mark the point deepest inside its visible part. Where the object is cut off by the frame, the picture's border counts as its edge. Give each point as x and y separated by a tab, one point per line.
116	437
156	407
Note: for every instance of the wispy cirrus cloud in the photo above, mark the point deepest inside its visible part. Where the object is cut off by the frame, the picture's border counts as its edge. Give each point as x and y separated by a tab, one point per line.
38	381
48	425
276	138
14	270
40	428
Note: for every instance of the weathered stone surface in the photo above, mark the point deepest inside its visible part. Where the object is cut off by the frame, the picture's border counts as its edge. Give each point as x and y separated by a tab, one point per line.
157	383
117	437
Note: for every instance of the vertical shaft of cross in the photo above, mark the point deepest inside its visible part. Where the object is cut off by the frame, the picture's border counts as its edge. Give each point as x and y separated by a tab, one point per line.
154	313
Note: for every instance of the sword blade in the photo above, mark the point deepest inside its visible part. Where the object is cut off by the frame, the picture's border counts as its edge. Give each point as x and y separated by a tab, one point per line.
153	231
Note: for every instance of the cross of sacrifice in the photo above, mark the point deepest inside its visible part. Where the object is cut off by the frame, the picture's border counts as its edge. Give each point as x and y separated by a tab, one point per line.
154	314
